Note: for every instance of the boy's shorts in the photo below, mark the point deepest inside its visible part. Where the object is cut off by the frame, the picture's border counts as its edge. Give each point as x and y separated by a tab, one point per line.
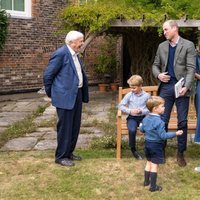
154	152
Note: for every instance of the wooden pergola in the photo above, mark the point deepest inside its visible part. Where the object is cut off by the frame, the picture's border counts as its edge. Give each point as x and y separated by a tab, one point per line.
138	23
184	22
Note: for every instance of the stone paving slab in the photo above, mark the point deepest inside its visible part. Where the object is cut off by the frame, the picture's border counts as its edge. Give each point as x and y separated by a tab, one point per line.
50	135
35	134
48	115
43	119
3	103
45	129
45	145
28	106
8	107
44	133
16	107
8	118
12	114
19	144
51	110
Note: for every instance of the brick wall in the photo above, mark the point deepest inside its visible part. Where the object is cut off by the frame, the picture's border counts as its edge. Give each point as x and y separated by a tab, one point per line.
90	59
28	47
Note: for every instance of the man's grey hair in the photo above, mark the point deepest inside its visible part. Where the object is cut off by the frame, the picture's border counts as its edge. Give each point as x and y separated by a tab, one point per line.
73	35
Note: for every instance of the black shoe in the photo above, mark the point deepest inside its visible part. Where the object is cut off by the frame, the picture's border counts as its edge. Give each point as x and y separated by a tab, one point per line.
154	189
137	155
73	157
146	183
65	162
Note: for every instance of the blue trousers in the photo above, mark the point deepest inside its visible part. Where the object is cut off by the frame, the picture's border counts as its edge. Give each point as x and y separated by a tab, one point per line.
68	127
132	124
197	106
182	105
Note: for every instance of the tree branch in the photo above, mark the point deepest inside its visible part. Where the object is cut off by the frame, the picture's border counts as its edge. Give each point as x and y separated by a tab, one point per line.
89	39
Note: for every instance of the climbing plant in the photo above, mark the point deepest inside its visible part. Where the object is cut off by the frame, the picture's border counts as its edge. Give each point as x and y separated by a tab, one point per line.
96	16
3	27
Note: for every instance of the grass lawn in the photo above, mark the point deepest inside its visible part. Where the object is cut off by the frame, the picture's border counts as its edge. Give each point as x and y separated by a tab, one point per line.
99	176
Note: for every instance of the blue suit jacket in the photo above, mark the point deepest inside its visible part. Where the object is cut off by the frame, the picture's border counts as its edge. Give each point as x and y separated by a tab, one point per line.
61	80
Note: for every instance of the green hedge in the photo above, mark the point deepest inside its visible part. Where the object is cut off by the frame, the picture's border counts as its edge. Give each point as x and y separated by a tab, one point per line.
3	27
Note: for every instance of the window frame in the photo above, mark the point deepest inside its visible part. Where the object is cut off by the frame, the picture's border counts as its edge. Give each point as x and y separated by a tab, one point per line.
26	14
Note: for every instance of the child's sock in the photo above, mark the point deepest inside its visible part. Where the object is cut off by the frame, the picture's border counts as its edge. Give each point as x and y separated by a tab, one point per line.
146	178
153	176
154	187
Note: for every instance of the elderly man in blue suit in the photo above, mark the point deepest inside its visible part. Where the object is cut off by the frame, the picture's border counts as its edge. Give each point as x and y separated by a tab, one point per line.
175	58
66	84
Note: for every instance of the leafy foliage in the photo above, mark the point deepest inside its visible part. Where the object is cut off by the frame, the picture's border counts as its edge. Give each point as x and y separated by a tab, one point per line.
106	62
93	17
97	15
3	27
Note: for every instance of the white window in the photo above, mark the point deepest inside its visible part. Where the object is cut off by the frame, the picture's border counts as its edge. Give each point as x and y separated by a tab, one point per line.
17	8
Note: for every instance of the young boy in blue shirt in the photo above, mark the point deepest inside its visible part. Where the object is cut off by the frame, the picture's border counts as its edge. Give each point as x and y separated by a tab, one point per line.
134	104
154	129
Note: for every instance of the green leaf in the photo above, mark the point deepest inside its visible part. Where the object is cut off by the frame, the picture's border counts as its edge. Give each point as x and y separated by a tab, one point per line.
3	28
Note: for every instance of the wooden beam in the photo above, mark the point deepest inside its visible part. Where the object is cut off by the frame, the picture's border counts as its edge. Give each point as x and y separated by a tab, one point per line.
188	23
138	23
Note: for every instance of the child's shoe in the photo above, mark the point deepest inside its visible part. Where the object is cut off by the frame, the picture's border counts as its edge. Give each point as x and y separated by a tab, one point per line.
146	183
154	189
197	169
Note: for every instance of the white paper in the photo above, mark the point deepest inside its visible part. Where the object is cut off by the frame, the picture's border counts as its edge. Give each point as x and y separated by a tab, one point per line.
178	87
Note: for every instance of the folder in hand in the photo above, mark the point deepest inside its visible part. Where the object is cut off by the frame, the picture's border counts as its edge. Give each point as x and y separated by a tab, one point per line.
178	86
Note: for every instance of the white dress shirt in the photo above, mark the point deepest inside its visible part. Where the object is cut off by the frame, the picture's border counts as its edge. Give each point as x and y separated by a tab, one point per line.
77	65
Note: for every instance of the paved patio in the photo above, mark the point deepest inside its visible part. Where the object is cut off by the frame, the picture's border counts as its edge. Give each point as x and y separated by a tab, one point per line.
16	107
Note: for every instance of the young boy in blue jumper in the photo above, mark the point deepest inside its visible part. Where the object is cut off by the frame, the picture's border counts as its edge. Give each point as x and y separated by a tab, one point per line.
154	129
134	104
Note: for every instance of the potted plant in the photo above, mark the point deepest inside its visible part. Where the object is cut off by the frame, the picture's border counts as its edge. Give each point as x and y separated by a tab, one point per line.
102	71
113	71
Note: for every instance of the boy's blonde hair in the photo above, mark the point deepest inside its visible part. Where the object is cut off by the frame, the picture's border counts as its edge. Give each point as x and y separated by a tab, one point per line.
153	102
135	80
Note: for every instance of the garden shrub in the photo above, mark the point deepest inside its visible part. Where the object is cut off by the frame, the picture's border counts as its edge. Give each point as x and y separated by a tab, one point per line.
3	28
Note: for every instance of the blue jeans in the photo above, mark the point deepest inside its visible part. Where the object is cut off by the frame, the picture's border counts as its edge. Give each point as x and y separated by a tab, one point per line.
197	106
132	124
182	105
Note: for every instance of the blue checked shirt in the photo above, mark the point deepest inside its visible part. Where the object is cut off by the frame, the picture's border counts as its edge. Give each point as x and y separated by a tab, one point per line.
132	100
